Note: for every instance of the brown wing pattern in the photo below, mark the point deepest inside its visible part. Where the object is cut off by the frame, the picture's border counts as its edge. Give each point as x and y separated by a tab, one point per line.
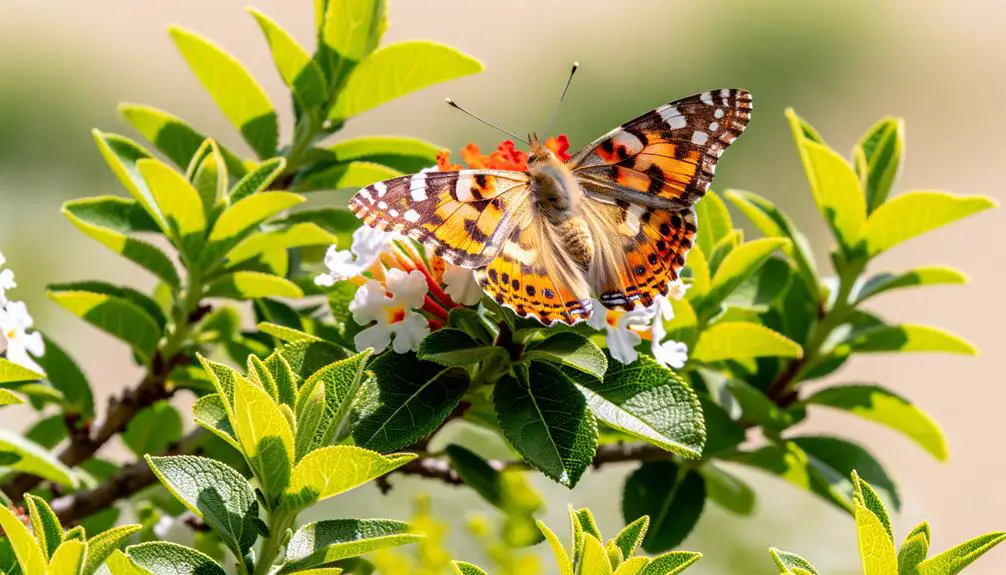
667	157
462	216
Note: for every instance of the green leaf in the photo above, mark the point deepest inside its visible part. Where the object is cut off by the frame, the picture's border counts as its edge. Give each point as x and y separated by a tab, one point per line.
11	372
954	560
548	421
885	407
118	564
264	435
672	497
913	551
35	459
335	469
295	236
163	558
324	542
128	294
722	432
791	563
397	69
834	459
650	402
153	429
631	537
251	285
476	472
727	490
455	348
837	192
208	173
214	492
698	266
670	563
340	383
878	159
235	91
349	31
570	350
179	204
258	179
773	222
884	282
173	136
594	560
209	412
44	524
122	155
29	555
242	218
739	264
406	155
300	73
733	340
915	213
9	398
65	376
788	462
876	550
561	556
356	174
106	220
103	545
405	401
463	568
908	337
757	408
114	315
303	359
68	558
716	222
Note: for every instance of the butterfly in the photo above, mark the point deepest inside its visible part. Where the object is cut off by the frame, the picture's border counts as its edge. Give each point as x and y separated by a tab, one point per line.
615	221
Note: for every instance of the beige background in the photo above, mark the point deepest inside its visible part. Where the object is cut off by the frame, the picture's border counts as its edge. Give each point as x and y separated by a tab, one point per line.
65	65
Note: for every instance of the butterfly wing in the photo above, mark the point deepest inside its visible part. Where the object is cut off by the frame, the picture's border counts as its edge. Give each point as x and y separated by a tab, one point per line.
665	158
638	251
533	277
464	216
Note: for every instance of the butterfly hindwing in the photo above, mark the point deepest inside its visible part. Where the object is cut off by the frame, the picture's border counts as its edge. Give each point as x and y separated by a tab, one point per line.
463	216
666	157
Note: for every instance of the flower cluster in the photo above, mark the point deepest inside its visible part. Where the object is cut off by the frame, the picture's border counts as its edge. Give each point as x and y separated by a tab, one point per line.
625	330
15	321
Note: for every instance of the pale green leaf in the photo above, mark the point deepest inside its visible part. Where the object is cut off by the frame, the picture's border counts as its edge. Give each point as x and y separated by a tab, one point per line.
264	435
558	551
209	412
354	174
396	70
740	263
117	316
103	545
915	213
164	558
463	568
593	561
44	524
299	72
11	372
633	566
173	136
340	383
235	91
955	559
671	563
258	179
122	154
242	218
886	407
68	558
732	340
350	30
295	236
878	159
324	542
923	276
876	550
9	398
698	266
909	337
26	549
243	285
179	204
119	564
727	490
406	155
715	221
791	563
335	469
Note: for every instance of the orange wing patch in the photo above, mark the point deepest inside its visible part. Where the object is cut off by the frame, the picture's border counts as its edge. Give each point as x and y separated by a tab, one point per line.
665	158
639	263
532	280
462	216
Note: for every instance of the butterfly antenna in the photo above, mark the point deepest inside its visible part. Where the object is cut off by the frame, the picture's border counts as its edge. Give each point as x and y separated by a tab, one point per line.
562	99
454	104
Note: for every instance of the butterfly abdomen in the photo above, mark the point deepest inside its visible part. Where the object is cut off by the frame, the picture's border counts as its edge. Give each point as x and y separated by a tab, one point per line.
575	237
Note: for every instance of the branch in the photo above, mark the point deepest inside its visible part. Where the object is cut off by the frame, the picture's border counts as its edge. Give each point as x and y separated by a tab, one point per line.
85	442
128	480
441	470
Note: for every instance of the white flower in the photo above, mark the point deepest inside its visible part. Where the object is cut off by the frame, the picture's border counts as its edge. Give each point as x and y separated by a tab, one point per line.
668	353
623	330
461	285
6	281
664	309
14	324
677	289
368	244
393	316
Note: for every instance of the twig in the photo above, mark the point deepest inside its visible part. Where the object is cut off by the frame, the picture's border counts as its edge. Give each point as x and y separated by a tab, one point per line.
131	478
85	442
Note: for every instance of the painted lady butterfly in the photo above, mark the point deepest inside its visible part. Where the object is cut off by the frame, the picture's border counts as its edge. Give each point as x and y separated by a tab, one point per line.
614	221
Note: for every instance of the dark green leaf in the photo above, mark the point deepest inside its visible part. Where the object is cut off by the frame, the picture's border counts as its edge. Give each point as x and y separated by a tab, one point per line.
791	563
137	298
570	350
62	372
340	383
300	73
884	282
455	348
955	559
117	316
878	160
122	156
324	542
356	174
835	459
173	136
406	155
153	429
727	490
672	497
257	180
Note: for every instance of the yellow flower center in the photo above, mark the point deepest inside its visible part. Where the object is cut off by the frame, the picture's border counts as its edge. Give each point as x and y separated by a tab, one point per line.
395	314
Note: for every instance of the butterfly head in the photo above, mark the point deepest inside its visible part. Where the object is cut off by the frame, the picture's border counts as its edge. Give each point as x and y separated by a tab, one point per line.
540	153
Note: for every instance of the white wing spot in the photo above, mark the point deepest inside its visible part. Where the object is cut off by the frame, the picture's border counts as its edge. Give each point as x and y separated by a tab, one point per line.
719	113
393	212
673	117
365	194
713	126
417	187
382	205
412	216
700	138
381	189
707	98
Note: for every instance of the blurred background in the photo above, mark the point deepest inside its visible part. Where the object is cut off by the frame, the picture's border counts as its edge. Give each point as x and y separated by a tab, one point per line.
66	65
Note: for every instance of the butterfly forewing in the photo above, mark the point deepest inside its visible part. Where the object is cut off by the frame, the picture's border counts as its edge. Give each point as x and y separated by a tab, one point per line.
667	157
462	216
